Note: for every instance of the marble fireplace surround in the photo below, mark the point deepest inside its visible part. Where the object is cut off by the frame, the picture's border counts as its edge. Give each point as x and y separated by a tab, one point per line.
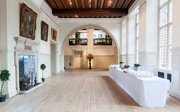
26	47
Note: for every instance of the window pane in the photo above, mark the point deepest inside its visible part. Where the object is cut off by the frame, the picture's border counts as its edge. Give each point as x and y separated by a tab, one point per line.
162	2
170	12
165	34
163	57
163	37
170	35
163	16
137	37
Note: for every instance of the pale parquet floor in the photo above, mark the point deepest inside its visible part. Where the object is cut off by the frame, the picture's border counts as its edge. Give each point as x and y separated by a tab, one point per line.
80	91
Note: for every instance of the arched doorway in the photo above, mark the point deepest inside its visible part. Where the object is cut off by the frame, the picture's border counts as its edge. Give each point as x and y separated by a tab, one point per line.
103	46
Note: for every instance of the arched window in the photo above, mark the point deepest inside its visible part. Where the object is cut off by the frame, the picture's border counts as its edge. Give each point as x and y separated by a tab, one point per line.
79	38
101	38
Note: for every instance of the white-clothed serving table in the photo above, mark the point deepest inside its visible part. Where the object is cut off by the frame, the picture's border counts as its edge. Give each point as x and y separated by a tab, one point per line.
147	92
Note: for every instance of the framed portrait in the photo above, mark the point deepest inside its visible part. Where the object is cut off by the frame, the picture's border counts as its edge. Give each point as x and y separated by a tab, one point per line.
44	31
53	34
27	22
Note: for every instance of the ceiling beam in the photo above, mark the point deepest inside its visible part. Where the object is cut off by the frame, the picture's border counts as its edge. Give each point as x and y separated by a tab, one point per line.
94	4
130	4
76	2
102	4
89	12
83	4
114	3
126	4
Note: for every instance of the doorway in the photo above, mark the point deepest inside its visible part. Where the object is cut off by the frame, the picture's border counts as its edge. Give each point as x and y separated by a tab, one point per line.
78	59
53	58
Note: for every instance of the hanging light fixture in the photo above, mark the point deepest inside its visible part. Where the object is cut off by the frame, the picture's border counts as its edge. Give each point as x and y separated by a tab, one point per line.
89	3
109	3
70	2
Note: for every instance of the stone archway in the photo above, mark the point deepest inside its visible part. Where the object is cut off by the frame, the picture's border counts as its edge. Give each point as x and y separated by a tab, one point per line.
90	26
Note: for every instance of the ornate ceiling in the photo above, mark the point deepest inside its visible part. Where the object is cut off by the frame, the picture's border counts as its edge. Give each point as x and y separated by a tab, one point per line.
90	8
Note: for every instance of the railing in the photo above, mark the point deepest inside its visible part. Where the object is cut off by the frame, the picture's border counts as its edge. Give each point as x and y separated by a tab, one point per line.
103	41
78	41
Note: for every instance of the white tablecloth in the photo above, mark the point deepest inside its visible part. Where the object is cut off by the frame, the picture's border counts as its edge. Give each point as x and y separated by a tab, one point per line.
147	92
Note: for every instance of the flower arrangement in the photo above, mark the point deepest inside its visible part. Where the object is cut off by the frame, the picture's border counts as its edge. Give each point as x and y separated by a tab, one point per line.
126	66
90	56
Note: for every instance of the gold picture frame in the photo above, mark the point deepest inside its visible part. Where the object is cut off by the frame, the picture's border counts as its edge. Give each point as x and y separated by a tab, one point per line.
44	31
27	22
53	34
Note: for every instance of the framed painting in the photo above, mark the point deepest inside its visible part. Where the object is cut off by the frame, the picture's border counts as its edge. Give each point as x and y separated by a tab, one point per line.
27	22
53	34
44	31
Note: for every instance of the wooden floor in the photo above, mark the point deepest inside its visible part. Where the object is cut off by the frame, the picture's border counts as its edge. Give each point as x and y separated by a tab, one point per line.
80	91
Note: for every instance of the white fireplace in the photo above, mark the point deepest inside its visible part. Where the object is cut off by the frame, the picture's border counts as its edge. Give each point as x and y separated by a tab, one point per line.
26	59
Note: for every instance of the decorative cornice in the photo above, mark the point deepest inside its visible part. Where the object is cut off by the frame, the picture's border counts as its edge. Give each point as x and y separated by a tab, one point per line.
26	41
24	44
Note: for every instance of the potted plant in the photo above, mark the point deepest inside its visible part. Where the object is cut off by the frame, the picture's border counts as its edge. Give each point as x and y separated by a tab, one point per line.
4	76
43	67
90	57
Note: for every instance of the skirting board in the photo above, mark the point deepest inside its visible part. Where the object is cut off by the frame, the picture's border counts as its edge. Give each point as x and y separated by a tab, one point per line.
32	89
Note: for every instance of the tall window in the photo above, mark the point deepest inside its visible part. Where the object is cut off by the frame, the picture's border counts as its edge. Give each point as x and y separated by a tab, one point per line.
137	38
165	34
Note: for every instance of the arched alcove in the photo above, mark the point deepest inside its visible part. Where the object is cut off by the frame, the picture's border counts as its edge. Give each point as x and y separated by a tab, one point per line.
90	26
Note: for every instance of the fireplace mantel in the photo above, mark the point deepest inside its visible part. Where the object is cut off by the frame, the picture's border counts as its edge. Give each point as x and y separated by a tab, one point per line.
27	47
25	44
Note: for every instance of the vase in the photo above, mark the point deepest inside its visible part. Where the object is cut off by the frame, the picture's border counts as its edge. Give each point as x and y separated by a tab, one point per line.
89	63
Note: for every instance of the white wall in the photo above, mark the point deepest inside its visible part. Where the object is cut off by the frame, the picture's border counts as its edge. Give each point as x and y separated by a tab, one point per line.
12	10
3	33
3	40
175	88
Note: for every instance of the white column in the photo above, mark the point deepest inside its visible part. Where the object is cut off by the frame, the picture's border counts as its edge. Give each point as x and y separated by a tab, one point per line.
90	48
3	34
148	13
142	35
3	39
123	41
175	85
127	39
90	40
131	39
152	28
120	52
